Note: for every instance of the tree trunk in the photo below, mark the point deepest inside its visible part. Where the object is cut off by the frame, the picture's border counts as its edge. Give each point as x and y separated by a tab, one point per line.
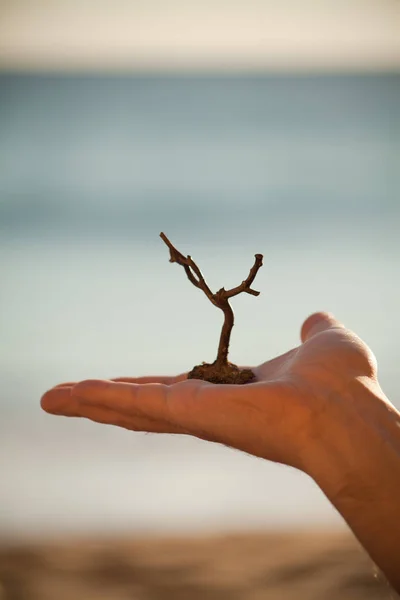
223	348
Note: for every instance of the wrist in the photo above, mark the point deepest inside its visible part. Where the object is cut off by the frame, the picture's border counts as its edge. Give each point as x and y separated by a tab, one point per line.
358	442
357	465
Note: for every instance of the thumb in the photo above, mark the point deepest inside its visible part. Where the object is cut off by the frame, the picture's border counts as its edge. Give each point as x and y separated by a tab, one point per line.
320	321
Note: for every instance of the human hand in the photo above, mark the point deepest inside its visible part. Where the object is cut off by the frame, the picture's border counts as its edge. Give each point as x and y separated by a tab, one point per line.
283	416
318	408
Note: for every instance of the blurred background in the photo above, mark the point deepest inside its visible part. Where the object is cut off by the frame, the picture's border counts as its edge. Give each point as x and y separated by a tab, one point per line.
236	128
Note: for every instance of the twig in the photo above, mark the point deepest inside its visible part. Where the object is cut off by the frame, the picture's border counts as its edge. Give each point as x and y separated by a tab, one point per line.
220	298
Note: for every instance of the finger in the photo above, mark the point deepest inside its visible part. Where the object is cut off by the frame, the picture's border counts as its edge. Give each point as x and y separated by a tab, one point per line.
149	400
205	410
57	401
153	401
208	411
60	402
318	322
165	379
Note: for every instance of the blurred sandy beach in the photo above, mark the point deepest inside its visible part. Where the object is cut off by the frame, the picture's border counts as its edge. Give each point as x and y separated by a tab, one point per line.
291	566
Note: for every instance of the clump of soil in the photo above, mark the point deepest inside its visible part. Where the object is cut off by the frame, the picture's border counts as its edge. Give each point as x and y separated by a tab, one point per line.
228	373
220	371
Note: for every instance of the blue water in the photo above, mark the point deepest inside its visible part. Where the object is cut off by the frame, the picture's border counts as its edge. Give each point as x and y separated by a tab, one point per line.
302	169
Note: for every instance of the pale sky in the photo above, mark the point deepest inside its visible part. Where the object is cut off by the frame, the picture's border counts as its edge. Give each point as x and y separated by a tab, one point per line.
157	35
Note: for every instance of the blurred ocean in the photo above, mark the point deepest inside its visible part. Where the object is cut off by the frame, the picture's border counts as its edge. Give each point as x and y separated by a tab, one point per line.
302	169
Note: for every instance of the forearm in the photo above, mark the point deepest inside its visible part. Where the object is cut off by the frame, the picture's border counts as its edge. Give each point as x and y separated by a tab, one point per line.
357	466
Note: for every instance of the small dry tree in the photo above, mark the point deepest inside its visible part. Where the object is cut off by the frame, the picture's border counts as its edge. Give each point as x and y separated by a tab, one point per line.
220	371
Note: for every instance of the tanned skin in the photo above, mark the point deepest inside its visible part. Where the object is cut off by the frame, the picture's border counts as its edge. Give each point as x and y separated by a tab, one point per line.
318	408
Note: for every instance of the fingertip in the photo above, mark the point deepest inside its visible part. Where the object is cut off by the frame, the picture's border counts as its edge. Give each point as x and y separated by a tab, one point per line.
54	400
45	403
317	322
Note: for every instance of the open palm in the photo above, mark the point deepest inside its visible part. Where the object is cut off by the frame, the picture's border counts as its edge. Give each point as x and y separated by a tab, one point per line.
280	416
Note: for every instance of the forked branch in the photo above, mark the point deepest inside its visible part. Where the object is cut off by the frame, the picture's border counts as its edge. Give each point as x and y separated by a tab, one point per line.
220	298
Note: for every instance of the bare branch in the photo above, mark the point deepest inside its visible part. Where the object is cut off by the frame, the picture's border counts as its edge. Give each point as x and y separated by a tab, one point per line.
188	264
245	285
219	299
176	256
